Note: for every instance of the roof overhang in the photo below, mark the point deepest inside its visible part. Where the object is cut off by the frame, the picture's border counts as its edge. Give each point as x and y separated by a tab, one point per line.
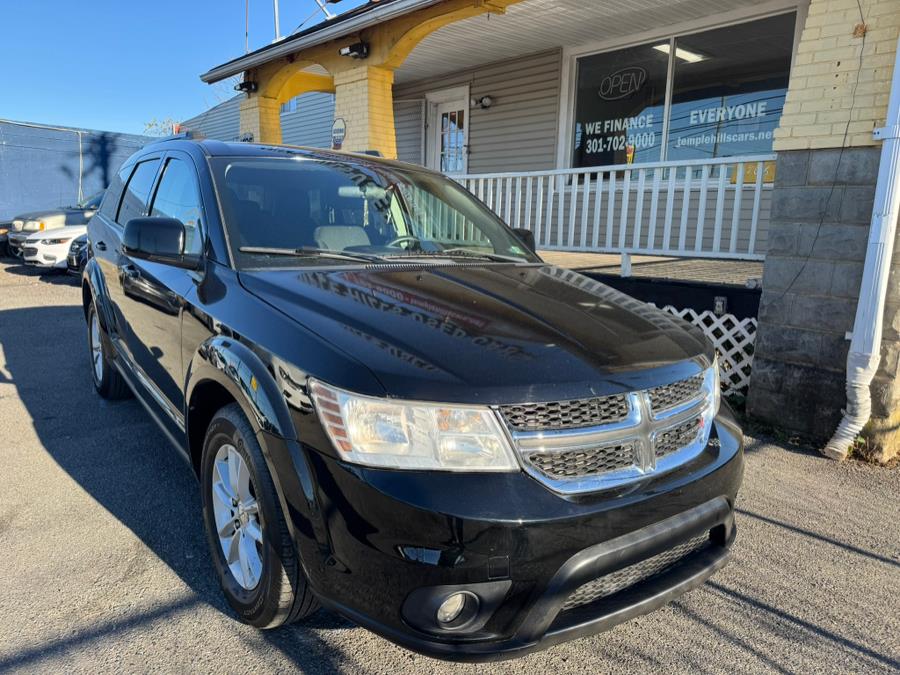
340	26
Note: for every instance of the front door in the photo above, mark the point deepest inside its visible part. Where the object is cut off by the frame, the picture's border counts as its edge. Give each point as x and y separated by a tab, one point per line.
152	293
448	144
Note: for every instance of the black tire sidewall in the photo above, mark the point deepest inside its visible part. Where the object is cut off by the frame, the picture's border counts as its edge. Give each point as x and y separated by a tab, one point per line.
259	605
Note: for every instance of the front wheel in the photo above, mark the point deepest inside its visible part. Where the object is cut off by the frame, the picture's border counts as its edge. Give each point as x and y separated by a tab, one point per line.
108	381
252	551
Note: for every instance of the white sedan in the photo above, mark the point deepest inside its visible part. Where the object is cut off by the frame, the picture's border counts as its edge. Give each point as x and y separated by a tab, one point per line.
49	249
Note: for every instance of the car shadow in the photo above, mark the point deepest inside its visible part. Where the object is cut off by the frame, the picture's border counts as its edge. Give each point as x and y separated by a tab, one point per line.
117	455
56	277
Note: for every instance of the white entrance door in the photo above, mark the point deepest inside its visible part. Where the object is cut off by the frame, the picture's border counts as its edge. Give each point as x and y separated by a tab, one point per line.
448	131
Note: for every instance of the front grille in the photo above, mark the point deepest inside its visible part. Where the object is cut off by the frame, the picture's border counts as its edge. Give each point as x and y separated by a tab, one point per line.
675	438
29	250
670	395
578	463
589	412
614	582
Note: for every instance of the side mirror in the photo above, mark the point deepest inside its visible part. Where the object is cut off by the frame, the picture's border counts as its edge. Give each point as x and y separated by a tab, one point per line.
527	237
158	240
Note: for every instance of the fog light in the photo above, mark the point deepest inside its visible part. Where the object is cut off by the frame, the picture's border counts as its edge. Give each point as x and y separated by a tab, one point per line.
451	608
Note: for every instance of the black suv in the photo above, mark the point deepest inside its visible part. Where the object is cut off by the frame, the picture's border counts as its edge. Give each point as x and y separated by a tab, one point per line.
398	411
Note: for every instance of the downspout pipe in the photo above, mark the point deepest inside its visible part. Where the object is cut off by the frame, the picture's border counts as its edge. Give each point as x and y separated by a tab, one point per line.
865	344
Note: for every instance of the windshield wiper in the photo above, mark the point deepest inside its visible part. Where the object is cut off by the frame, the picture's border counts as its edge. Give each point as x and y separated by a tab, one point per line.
311	252
459	253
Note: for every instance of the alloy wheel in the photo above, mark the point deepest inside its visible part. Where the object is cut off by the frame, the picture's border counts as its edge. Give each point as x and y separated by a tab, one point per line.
96	347
236	513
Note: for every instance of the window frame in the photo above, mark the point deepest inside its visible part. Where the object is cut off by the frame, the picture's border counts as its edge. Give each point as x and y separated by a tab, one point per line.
570	56
165	158
141	160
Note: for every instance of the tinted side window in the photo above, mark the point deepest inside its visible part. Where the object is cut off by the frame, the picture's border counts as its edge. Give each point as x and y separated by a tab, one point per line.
110	203
137	192
179	197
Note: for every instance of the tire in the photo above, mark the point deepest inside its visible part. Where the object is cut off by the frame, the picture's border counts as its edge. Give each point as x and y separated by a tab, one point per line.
277	593
108	381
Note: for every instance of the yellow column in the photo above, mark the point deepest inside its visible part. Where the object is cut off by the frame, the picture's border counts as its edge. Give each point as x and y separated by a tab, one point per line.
261	119
364	99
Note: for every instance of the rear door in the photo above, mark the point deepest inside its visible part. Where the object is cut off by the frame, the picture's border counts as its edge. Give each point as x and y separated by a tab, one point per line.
152	293
106	231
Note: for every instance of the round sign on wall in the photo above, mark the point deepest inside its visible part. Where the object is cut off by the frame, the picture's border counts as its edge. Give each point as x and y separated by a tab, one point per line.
338	133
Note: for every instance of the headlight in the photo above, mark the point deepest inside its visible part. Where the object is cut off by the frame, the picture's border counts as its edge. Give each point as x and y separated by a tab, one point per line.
54	242
406	435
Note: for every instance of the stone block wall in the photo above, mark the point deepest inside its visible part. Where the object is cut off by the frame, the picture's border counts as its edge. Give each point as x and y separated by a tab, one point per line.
821	209
821	212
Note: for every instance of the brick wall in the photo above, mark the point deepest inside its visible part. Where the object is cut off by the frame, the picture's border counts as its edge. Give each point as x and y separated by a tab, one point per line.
824	78
260	117
363	98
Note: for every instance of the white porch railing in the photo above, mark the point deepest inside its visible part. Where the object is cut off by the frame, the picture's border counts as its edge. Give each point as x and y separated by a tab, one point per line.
715	208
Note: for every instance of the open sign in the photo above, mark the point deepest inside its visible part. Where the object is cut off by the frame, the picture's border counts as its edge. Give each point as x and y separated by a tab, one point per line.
622	83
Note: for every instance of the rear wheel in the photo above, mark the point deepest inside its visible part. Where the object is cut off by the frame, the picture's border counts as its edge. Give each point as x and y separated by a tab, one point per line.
108	381
252	551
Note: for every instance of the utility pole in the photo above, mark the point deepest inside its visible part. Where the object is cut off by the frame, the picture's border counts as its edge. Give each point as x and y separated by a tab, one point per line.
277	23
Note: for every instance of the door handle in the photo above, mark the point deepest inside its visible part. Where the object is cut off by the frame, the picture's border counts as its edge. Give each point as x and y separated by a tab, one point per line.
100	246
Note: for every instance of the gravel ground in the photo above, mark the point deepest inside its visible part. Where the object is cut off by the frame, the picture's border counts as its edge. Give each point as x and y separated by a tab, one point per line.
103	566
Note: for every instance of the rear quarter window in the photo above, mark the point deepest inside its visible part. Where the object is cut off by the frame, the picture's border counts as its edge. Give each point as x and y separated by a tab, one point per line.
110	202
137	192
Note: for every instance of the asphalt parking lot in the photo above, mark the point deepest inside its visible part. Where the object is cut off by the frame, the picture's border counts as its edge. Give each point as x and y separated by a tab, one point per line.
103	564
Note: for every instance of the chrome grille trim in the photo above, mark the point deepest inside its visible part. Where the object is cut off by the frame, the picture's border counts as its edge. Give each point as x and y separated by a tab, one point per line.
644	441
574	414
673	395
676	437
585	462
626	577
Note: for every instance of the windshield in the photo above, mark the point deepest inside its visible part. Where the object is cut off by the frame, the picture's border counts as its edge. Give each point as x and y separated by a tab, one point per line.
92	203
279	209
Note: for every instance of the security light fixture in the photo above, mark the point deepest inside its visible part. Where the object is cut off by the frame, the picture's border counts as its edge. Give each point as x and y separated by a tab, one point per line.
683	54
359	50
246	86
484	102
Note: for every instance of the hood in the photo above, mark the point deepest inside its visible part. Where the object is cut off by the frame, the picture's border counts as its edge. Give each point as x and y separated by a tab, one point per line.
486	333
69	231
53	218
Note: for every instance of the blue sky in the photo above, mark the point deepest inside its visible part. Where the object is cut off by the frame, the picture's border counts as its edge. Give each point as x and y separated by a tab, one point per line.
116	64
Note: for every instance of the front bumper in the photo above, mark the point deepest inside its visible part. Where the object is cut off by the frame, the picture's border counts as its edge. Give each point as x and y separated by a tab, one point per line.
384	545
15	242
48	257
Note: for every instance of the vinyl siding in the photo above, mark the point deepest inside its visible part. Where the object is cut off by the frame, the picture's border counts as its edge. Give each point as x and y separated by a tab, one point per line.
517	133
409	121
310	123
221	122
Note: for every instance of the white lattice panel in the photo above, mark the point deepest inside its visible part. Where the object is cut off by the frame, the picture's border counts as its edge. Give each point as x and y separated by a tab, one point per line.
733	339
